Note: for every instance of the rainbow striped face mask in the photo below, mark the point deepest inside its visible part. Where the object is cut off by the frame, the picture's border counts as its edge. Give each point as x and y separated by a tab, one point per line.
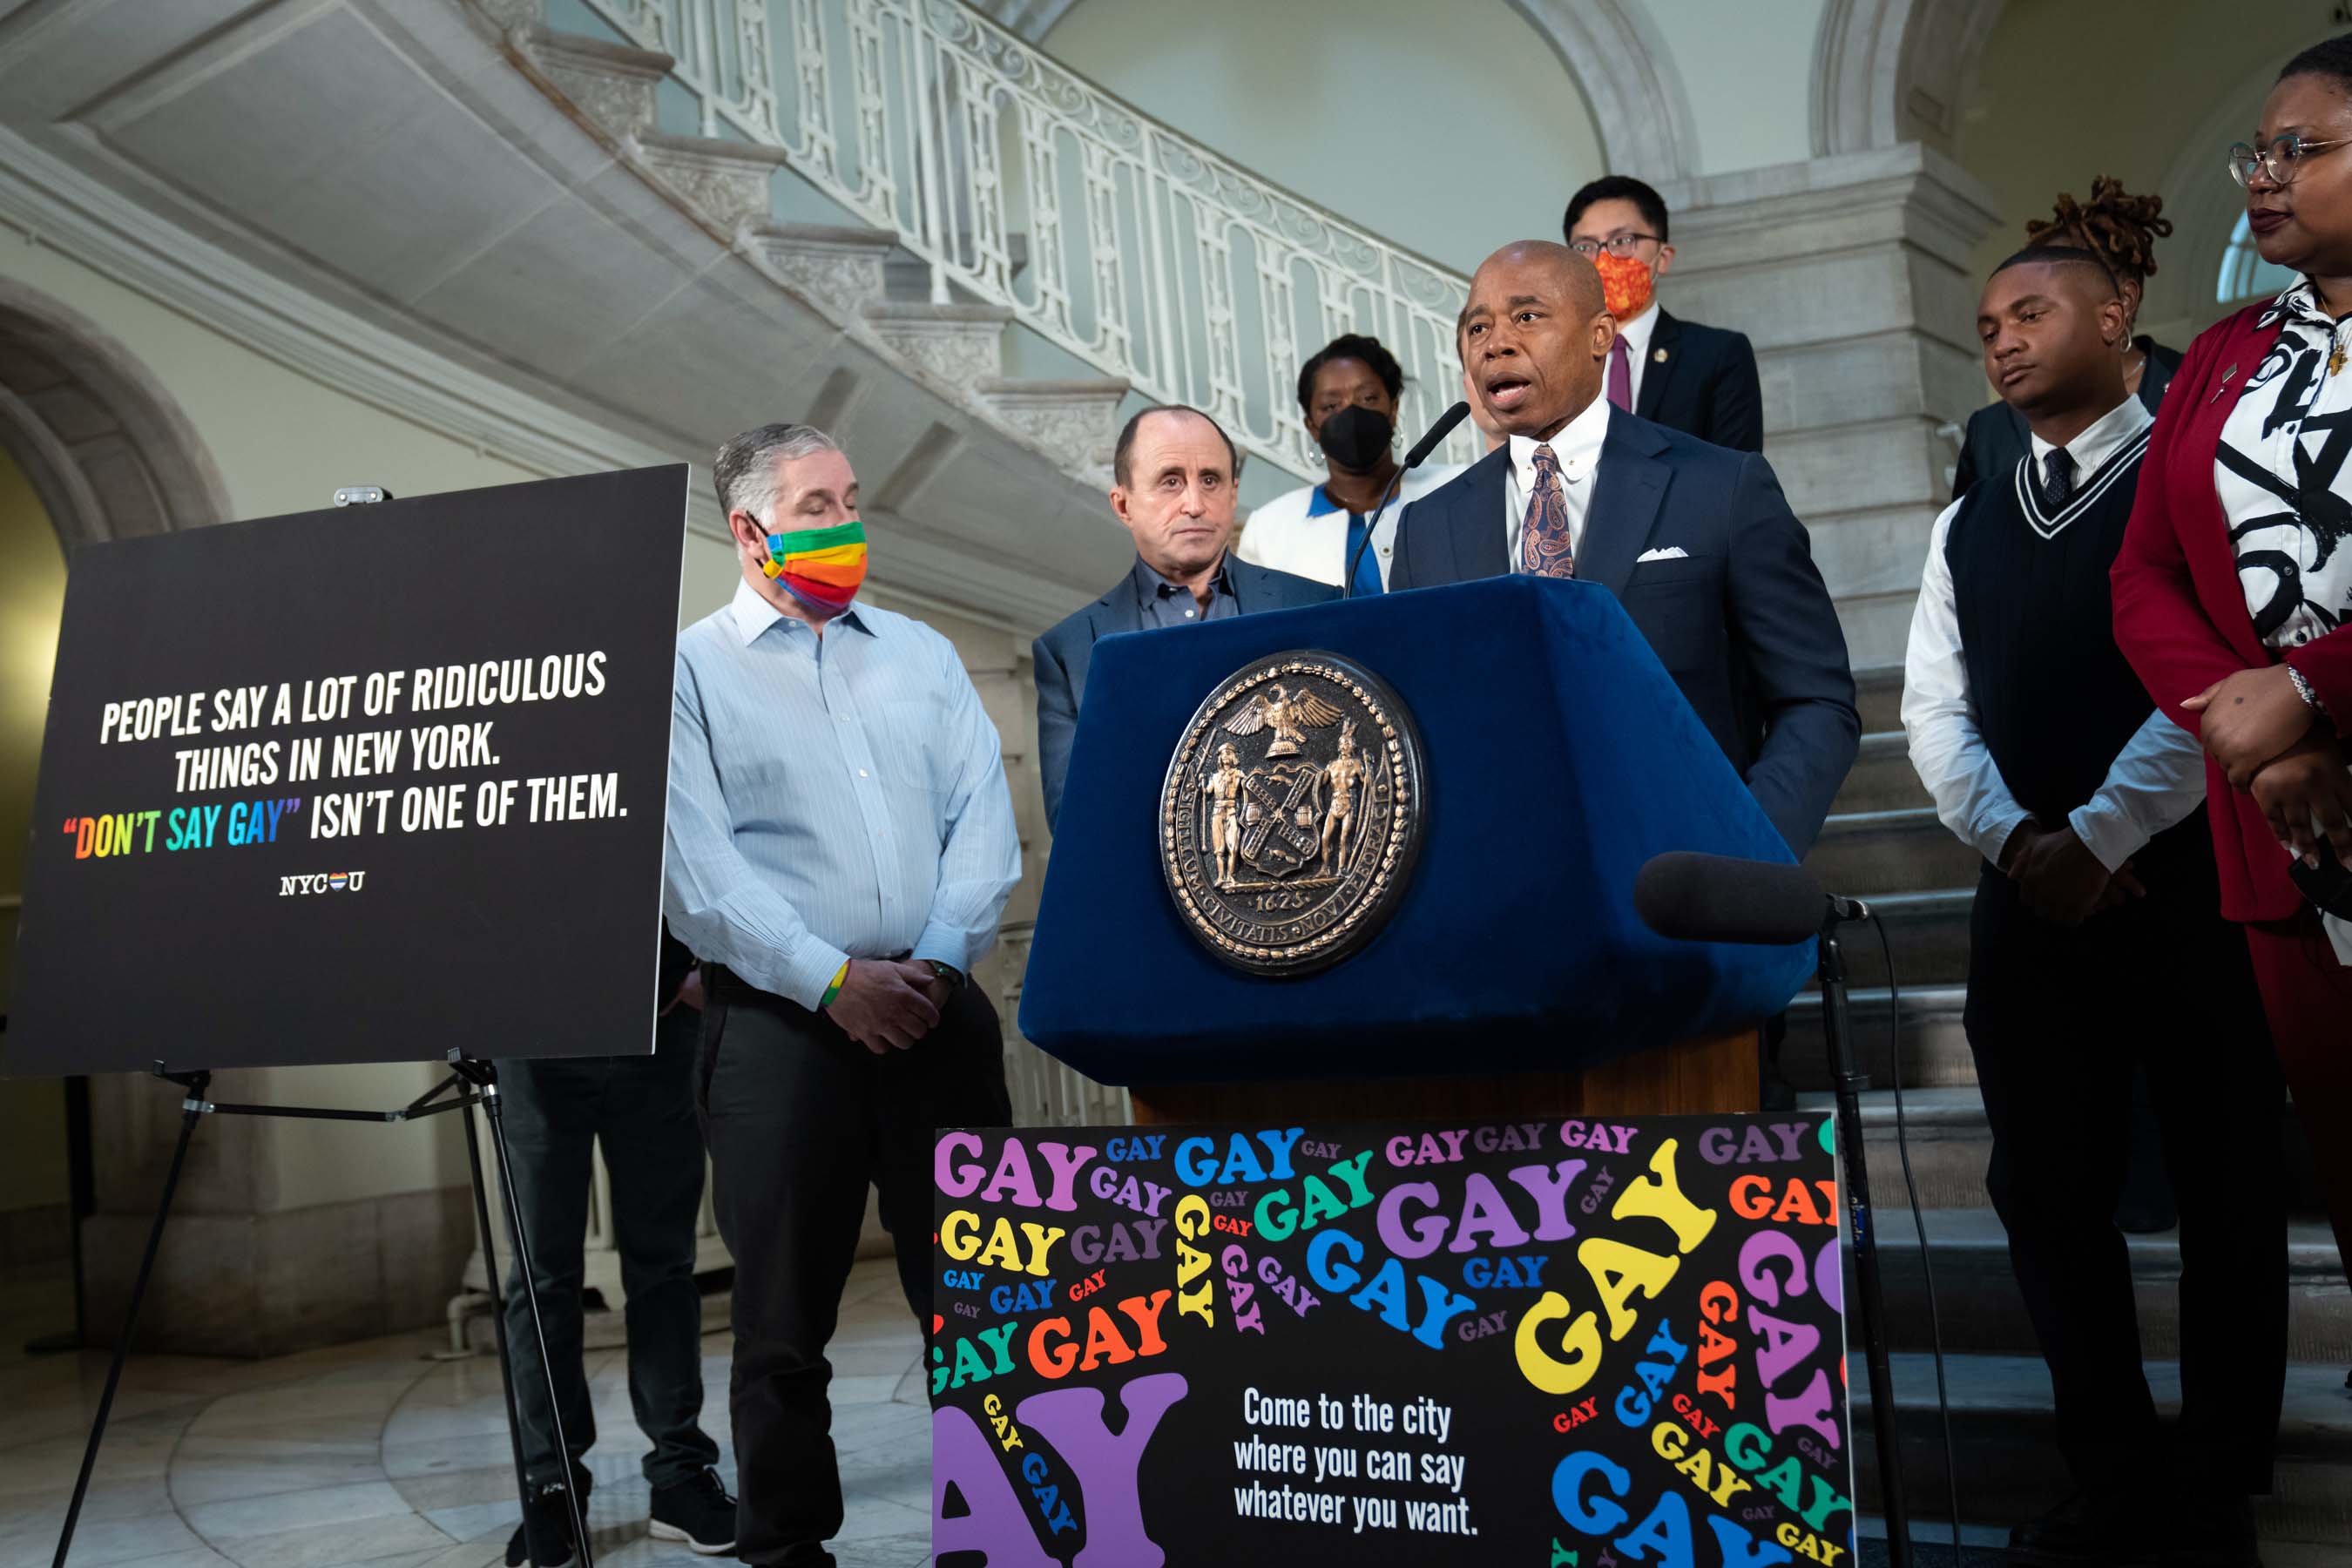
822	567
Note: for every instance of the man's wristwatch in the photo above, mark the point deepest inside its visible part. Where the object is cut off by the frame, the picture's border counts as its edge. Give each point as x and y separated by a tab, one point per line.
946	972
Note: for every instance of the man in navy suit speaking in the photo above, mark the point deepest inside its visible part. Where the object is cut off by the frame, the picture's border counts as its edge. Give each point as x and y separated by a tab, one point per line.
1696	541
1176	469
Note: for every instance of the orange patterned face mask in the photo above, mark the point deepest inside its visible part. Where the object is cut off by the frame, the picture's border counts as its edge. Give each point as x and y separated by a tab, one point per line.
1626	283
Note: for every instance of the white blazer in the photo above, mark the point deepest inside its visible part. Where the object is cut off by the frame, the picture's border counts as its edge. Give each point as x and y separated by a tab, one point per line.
1281	536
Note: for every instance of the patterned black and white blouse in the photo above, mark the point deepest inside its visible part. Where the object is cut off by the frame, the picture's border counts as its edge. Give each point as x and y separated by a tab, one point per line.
2286	487
2284	482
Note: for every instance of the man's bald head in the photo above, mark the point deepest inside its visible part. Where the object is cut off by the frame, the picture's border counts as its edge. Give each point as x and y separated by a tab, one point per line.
1577	274
1535	336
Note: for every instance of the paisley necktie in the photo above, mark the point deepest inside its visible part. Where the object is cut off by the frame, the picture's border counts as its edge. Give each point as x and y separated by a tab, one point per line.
1544	549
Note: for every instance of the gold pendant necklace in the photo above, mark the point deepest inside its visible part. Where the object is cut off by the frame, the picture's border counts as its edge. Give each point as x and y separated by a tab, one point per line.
2336	359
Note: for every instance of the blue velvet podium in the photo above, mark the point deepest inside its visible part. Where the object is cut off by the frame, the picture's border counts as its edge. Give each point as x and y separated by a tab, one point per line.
1513	973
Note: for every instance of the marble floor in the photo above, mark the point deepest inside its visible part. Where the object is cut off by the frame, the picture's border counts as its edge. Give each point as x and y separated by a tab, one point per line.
380	1453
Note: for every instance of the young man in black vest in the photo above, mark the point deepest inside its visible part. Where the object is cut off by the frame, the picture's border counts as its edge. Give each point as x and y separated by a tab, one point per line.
2096	943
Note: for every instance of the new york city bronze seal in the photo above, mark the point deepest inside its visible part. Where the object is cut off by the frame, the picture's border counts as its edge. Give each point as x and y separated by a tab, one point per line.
1292	812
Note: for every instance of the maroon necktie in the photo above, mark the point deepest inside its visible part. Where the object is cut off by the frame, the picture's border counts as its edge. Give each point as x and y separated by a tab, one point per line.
1620	375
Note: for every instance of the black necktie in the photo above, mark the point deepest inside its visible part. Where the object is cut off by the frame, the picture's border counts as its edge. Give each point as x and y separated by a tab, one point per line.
2057	479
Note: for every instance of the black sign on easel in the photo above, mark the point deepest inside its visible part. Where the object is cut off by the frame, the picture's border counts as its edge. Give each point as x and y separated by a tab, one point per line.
353	782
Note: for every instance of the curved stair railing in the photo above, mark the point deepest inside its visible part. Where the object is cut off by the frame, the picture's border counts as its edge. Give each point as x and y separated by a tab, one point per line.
1112	235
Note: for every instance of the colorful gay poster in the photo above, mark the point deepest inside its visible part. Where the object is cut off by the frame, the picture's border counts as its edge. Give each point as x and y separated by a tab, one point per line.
1572	1343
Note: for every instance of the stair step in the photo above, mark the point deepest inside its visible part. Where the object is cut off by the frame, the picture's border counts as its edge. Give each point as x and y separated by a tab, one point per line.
1878	696
1934	1045
1927	932
909	277
611	85
839	264
724	182
1981	1312
1076	421
1902	851
1949	1140
961	345
2007	1458
1881	777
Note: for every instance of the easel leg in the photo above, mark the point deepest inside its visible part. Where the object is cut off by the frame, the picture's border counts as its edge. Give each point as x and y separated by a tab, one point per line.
191	1109
488	1084
498	1318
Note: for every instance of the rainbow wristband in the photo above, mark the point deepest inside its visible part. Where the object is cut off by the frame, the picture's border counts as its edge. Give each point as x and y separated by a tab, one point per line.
834	990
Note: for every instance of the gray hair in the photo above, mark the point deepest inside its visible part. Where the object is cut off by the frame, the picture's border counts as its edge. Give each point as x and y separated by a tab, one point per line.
745	468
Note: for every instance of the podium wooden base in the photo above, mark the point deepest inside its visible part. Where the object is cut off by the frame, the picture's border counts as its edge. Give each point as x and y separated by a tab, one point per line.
1692	1076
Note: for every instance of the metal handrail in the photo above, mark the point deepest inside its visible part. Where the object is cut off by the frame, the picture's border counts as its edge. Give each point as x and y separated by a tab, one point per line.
1149	257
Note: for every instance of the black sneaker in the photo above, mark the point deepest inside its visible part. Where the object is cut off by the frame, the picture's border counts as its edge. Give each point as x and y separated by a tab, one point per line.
699	1512
548	1517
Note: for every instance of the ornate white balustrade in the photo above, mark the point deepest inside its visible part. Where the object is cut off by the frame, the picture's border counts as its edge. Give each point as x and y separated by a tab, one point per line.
1146	255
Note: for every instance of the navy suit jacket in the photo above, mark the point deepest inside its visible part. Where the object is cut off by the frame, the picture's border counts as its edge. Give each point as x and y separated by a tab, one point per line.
1063	655
1706	385
1740	619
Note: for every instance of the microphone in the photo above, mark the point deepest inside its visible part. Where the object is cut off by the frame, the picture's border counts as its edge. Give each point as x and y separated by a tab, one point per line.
1715	898
1420	448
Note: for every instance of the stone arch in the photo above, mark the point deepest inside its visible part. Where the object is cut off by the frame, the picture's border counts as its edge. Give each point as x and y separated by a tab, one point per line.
1609	48
107	450
1889	71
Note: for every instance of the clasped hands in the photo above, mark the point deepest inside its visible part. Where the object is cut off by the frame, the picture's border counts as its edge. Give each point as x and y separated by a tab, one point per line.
2059	880
887	1004
2273	746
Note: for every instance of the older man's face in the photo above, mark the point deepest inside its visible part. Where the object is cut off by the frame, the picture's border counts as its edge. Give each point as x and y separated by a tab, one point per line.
1178	499
1535	337
819	490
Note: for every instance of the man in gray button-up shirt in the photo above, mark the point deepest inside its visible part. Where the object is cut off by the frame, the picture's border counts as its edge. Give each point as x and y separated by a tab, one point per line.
841	845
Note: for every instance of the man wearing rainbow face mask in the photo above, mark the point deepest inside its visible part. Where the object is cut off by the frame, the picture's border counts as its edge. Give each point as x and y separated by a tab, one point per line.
1699	380
841	845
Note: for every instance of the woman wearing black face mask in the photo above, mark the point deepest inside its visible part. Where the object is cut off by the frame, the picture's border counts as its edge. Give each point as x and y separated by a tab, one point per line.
1347	396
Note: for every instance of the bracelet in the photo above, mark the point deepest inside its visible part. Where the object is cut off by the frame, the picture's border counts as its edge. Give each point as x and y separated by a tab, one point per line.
834	990
2303	690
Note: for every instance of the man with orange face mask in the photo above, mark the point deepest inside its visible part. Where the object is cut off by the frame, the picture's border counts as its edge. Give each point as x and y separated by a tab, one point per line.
1699	380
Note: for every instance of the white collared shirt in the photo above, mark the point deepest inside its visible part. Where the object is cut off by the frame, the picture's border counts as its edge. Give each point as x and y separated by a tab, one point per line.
2156	781
1577	447
1637	333
2109	435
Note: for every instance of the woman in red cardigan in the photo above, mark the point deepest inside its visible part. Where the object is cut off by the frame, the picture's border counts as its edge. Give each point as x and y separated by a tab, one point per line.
2235	583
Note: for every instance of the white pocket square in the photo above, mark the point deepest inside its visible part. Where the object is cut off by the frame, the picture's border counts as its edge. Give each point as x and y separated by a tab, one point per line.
1671	552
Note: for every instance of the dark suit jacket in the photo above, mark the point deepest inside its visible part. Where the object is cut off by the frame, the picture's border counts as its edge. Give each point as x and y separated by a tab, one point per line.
1742	621
1063	655
1999	438
1706	385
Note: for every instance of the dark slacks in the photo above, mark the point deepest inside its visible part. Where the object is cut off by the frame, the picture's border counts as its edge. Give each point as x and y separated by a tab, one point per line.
2307	994
642	1109
801	1120
2057	1020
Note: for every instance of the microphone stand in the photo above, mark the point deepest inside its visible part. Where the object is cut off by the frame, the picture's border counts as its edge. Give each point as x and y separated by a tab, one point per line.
1372	530
1846	1082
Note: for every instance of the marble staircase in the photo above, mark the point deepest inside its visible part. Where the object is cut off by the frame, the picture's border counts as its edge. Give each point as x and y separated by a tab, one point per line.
1882	844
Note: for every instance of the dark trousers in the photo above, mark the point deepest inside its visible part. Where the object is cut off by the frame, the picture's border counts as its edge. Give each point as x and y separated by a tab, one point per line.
642	1109
801	1120
2307	993
2057	1020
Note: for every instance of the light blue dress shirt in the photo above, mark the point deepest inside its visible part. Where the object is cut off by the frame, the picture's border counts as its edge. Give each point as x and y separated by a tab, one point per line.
831	798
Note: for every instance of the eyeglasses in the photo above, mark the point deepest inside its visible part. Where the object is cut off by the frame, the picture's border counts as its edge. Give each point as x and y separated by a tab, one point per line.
1620	246
2280	159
